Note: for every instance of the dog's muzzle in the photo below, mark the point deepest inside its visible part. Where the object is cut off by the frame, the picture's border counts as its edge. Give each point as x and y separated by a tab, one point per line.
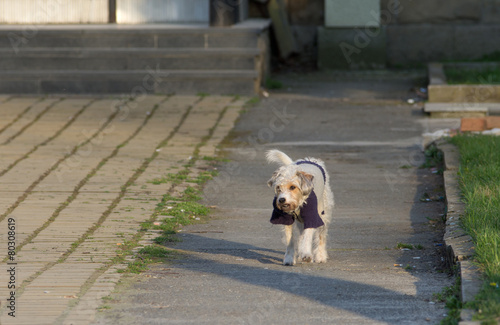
282	204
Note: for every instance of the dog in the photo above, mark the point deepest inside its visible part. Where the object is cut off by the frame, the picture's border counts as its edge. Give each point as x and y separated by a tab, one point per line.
303	194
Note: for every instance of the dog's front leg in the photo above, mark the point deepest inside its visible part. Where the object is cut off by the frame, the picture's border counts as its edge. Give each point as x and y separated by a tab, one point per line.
290	246
305	244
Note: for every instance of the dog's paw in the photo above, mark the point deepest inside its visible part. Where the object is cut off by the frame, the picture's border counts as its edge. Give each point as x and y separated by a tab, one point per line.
320	257
288	260
307	258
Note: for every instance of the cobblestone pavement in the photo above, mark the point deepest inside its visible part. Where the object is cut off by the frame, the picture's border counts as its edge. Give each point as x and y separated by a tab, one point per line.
75	184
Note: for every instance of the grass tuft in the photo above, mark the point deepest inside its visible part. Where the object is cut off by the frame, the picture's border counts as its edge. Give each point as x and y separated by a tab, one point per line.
456	76
451	297
404	246
146	256
273	84
433	157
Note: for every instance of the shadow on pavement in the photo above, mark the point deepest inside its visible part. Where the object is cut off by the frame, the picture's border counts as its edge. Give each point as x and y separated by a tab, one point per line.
291	285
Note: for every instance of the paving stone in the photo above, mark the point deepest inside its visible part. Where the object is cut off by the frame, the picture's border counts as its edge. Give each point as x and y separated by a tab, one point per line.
52	121
32	213
12	109
7	198
4	98
47	287
35	109
46	127
24	270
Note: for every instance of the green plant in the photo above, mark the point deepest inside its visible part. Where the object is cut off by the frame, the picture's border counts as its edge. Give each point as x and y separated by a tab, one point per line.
472	76
166	238
203	177
175	179
433	157
182	210
451	297
154	252
487	302
273	84
147	255
480	184
252	101
104	307
136	267
191	194
404	246
491	57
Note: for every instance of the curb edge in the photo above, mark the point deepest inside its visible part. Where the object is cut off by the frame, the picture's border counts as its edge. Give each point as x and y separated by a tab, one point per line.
459	245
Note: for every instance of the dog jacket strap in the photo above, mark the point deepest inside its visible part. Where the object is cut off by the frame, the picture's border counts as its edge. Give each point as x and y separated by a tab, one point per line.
309	212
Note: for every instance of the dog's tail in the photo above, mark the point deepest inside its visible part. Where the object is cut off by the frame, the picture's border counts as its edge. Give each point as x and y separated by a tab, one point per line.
278	157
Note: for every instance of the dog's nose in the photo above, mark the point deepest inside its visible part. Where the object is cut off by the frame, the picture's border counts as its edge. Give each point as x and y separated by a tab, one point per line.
282	200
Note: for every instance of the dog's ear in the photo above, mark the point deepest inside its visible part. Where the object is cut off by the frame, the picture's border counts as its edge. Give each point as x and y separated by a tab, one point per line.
271	181
306	182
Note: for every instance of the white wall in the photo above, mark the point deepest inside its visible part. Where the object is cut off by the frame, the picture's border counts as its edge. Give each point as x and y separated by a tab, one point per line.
162	11
53	11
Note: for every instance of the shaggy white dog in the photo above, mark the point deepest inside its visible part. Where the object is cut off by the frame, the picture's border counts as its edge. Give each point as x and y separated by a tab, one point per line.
302	194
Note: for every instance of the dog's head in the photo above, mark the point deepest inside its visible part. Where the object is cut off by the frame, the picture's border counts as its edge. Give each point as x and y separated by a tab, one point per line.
291	187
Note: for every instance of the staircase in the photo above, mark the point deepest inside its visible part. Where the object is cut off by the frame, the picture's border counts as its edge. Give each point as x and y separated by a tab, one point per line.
133	59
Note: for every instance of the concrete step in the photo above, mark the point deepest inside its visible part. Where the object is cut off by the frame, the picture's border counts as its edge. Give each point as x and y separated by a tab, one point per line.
112	58
16	37
132	82
455	110
128	59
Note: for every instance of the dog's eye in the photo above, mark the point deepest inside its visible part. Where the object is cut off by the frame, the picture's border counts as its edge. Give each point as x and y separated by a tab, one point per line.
278	189
292	188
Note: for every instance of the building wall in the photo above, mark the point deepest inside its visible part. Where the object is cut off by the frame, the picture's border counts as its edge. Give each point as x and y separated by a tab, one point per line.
417	31
430	30
161	11
53	11
444	11
127	11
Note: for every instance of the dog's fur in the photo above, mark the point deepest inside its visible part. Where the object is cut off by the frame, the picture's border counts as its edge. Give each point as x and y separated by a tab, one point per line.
292	185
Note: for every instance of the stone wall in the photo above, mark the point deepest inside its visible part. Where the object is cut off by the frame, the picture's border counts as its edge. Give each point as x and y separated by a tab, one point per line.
444	11
416	31
430	30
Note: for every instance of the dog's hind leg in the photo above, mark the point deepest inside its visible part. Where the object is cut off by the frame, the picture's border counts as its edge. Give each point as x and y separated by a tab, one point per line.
320	253
290	246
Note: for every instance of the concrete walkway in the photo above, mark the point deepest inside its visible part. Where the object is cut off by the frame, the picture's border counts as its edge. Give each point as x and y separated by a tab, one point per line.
75	185
230	271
